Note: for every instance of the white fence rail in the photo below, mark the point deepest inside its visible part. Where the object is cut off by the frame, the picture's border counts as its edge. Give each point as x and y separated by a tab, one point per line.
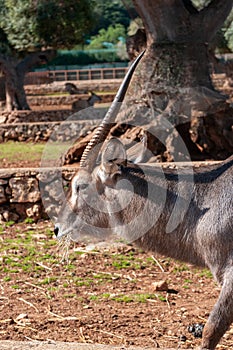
74	75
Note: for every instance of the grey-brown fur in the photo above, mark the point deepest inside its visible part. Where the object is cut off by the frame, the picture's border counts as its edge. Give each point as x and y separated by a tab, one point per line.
89	102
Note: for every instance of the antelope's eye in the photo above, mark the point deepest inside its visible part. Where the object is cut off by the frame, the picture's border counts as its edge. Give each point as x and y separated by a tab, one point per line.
82	186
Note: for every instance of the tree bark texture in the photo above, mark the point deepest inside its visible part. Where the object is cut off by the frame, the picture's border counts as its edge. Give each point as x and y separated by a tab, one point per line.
174	78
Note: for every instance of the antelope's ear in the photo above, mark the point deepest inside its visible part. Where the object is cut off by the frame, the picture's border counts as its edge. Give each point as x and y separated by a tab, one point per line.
113	158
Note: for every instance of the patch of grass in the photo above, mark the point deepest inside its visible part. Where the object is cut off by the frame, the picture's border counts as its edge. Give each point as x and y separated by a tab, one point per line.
15	286
94	297
122	261
9	223
80	281
103	277
161	297
52	289
48	280
29	221
205	273
138	298
180	268
100	296
24	151
69	295
187	283
7	279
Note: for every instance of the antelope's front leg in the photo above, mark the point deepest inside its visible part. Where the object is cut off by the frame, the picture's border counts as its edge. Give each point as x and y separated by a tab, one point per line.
221	316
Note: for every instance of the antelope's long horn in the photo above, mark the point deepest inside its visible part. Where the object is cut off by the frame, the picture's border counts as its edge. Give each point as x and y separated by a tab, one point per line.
103	129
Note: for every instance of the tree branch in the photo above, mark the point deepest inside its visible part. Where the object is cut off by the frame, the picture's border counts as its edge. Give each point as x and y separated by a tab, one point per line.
189	7
214	15
164	20
35	58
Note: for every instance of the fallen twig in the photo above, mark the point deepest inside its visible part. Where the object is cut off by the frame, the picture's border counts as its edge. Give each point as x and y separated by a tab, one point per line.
112	334
45	267
157	262
34	285
28	303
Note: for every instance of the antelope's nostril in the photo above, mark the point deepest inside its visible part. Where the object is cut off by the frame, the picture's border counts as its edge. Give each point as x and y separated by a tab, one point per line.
56	230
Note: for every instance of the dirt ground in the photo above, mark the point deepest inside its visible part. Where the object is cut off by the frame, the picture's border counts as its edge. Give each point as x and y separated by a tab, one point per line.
6	163
106	296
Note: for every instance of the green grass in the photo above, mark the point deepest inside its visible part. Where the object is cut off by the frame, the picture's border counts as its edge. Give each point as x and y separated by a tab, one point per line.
128	261
29	252
24	151
138	298
205	273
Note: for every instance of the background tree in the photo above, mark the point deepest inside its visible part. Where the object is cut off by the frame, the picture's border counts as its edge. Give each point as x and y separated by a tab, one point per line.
108	12
174	78
30	31
107	37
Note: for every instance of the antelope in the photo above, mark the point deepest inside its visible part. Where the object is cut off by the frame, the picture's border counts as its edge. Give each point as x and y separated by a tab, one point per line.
139	202
82	104
71	89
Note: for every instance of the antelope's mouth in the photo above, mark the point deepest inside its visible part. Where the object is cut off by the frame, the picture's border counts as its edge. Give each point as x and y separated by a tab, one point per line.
60	234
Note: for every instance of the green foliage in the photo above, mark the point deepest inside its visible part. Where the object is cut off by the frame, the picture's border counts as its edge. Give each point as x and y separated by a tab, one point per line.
18	20
135	25
113	40
223	40
29	25
200	4
64	23
228	31
108	37
110	12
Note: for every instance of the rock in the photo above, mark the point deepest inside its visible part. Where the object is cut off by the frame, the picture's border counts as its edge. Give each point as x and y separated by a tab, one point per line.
3	182
21	210
196	329
24	190
183	338
9	216
160	286
34	211
2	119
55	190
46	176
3	198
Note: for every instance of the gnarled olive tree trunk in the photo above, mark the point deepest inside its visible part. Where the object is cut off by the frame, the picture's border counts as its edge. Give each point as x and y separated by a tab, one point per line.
14	72
174	78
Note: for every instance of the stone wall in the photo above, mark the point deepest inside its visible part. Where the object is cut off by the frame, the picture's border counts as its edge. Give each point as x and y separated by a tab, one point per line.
65	100
42	131
27	192
34	116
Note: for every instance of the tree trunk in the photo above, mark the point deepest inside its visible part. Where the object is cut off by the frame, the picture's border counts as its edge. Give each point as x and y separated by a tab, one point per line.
173	80
14	72
8	66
